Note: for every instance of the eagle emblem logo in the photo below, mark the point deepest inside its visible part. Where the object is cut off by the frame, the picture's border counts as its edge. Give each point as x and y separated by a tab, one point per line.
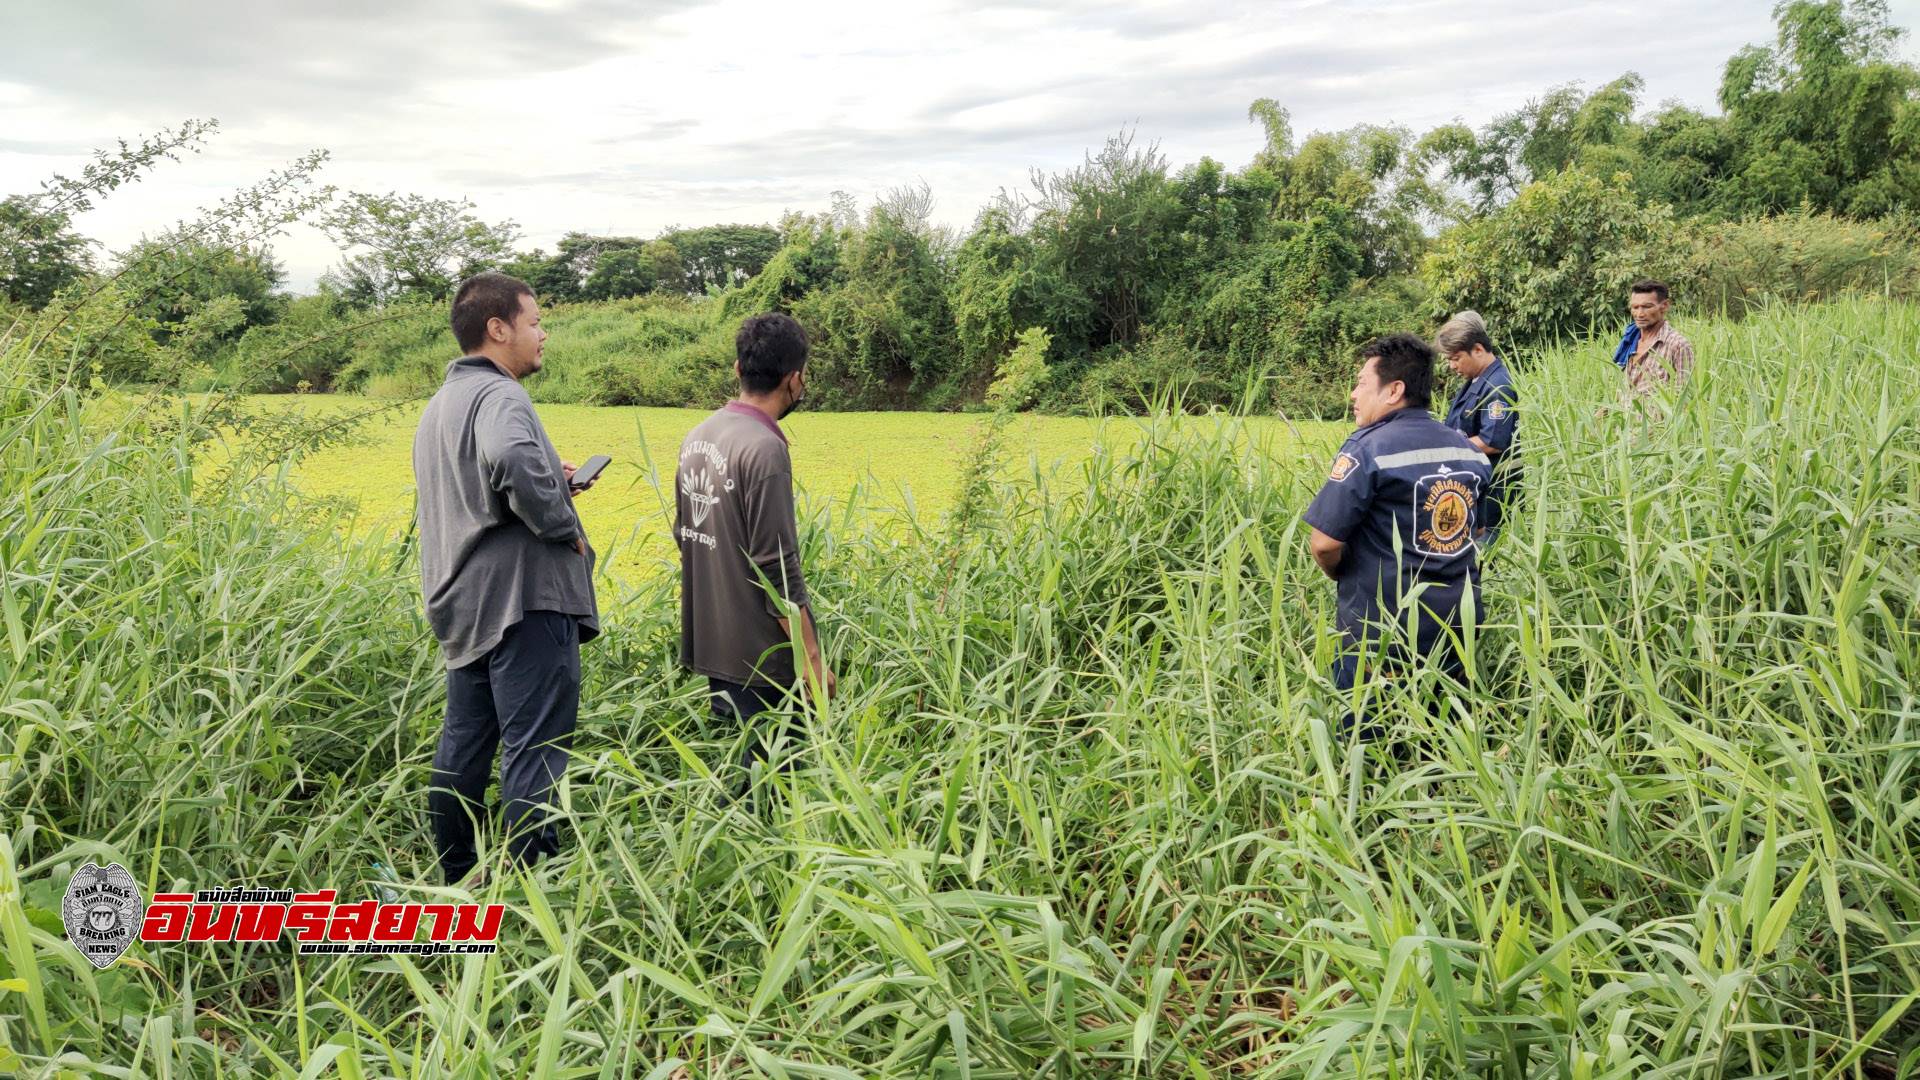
102	912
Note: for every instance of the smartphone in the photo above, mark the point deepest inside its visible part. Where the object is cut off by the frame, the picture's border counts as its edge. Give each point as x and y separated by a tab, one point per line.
589	472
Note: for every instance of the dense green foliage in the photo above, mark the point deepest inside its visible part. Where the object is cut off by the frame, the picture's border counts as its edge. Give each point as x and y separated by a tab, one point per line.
40	253
873	298
1204	283
1825	117
402	247
640	351
205	296
173	306
1558	259
678	262
1738	265
1078	810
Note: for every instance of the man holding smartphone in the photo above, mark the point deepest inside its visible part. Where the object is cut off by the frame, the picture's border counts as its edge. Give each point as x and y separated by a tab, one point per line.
507	577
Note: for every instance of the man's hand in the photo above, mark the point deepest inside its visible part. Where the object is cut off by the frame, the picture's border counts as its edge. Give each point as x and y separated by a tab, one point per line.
818	672
580	545
817	669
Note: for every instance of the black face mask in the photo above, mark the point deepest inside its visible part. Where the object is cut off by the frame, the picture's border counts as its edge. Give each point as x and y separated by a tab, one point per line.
792	405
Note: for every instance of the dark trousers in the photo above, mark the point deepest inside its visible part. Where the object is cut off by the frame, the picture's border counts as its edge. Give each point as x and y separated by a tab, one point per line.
1438	654
523	698
755	709
1503	498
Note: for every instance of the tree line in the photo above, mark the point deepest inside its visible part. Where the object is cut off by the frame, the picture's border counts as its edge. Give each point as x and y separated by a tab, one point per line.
1222	283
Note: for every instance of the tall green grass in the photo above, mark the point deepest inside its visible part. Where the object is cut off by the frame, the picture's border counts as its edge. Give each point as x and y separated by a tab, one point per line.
1078	809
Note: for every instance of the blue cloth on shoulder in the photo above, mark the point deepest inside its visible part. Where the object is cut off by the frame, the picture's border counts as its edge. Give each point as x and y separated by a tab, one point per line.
1629	344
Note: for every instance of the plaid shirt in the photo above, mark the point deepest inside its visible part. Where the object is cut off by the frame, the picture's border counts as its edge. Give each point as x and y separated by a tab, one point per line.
1668	359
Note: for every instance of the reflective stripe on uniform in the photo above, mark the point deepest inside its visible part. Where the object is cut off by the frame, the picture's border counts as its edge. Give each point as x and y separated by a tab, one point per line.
1429	456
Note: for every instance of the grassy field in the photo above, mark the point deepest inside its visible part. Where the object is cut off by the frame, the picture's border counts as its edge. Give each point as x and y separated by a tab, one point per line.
1078	810
904	464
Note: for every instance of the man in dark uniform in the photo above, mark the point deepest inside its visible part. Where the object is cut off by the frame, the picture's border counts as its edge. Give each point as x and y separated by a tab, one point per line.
1393	525
1483	412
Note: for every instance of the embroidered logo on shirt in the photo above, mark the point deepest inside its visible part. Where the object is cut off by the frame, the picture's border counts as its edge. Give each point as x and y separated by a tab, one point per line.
1342	467
1443	508
1496	410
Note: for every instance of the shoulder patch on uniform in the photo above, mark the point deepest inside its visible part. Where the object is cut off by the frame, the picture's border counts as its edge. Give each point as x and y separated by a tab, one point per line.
1343	467
1496	409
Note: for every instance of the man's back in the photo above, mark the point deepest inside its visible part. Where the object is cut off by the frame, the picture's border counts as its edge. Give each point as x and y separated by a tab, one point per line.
1404	497
734	523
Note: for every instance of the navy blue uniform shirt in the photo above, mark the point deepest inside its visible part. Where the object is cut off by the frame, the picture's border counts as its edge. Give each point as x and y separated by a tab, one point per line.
1404	496
1484	407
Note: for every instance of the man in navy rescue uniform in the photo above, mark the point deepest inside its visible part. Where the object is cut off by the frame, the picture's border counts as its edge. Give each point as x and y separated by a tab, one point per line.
1393	525
1483	411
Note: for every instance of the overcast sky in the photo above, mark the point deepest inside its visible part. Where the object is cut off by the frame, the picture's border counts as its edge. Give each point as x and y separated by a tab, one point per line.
628	118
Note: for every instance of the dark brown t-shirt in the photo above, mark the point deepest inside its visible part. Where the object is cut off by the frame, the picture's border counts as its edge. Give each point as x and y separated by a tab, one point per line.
734	524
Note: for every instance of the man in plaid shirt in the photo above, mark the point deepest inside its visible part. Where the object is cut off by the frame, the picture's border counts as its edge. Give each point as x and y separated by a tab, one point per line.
1651	351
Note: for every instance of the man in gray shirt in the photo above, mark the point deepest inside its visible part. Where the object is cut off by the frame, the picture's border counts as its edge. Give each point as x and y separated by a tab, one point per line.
739	545
507	576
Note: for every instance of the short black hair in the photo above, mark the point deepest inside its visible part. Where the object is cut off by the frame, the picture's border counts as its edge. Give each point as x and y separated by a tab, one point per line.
484	296
1403	358
769	347
1657	288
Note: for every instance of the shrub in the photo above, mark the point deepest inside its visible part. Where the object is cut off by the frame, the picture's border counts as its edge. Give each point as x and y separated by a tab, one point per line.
696	374
1162	370
310	344
644	350
93	327
1023	374
404	354
1557	261
201	296
1802	257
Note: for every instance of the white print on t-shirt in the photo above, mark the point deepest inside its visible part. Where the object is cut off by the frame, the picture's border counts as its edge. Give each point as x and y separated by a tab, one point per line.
700	462
703	448
698	488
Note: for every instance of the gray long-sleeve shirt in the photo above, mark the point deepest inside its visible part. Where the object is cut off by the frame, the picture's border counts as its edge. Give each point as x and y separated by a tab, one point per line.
497	524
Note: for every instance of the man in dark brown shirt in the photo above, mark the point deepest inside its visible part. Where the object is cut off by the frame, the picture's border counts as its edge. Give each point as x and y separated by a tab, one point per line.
740	573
